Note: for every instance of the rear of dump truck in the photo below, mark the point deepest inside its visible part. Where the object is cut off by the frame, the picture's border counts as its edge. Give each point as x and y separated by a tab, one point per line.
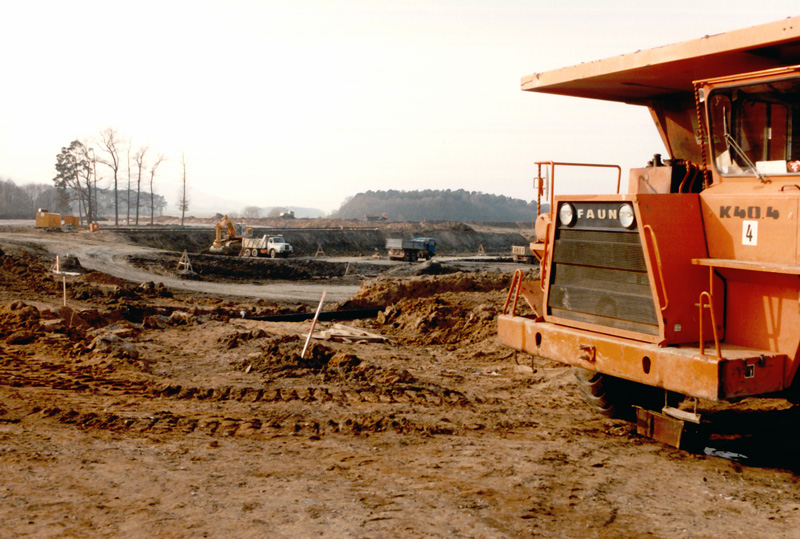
687	281
415	249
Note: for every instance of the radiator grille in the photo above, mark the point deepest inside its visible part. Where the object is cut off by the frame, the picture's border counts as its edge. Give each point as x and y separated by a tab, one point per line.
600	277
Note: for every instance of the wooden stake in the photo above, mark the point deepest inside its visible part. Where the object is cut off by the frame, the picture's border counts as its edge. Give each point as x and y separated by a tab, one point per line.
313	323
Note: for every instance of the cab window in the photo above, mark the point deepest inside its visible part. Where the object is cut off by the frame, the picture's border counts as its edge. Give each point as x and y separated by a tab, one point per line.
757	127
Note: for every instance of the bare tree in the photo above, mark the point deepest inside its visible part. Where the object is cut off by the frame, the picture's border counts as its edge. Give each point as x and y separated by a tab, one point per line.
35	190
86	174
157	161
93	207
183	195
128	193
109	142
139	161
251	212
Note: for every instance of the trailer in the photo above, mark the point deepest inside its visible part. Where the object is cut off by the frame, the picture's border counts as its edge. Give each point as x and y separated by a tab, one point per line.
55	221
687	285
47	220
410	250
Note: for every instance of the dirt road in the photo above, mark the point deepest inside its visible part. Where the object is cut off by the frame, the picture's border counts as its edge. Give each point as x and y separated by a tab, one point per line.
109	254
149	415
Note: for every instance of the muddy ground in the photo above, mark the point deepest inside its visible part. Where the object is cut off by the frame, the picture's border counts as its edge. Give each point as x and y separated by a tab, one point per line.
143	410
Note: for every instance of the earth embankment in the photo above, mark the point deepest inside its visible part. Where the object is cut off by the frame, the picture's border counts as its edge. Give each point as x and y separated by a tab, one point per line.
451	238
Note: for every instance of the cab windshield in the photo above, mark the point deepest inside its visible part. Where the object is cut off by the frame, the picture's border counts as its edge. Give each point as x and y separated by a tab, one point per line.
755	129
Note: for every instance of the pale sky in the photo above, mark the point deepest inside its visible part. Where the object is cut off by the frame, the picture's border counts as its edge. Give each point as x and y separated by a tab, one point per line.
307	102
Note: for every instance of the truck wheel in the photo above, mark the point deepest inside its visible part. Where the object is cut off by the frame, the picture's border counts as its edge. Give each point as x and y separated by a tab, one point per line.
272	253
615	397
598	391
246	252
254	253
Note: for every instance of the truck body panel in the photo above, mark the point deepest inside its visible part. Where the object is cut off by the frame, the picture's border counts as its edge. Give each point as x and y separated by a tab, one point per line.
415	249
689	282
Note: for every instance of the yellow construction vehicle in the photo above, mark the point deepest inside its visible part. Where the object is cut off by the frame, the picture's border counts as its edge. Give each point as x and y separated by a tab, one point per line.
228	239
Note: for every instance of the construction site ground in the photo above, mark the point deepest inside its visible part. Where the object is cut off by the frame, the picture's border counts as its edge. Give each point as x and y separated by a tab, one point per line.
156	405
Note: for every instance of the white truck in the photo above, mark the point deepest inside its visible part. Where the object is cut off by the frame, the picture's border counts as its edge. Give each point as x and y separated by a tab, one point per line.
522	253
272	246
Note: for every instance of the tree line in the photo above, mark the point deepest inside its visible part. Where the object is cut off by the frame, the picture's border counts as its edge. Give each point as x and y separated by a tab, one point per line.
440	205
22	201
77	177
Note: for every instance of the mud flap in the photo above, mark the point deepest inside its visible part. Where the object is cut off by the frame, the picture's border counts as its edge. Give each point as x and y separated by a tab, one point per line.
669	430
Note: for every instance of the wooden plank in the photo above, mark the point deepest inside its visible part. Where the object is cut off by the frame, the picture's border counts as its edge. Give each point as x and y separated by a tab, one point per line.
340	332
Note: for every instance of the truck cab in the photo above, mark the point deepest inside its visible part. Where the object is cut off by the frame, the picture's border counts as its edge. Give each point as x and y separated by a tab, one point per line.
688	283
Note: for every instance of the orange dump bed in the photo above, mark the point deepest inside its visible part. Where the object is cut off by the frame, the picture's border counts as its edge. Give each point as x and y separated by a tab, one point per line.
650	75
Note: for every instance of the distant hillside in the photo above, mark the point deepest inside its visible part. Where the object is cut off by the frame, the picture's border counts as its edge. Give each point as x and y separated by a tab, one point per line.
204	204
437	205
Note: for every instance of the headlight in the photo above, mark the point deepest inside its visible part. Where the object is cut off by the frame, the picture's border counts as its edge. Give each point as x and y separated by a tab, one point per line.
626	215
566	214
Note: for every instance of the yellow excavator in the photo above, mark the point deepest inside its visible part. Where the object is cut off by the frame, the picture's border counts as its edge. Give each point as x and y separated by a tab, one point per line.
229	236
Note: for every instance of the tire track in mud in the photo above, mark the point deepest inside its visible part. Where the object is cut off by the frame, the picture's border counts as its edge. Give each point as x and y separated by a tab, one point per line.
372	394
80	381
361	409
271	425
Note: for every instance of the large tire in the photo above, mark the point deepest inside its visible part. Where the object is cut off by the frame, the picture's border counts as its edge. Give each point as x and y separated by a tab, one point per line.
272	253
601	392
615	397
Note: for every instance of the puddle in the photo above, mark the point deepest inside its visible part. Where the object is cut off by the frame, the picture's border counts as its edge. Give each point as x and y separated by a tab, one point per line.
729	455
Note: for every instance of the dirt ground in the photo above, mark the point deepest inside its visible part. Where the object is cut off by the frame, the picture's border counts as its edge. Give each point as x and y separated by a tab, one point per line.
143	410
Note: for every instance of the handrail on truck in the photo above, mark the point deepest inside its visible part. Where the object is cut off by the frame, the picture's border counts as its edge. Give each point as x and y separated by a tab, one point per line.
516	283
543	261
552	165
710	307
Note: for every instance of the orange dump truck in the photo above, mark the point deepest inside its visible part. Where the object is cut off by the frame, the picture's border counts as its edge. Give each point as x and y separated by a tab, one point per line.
689	283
